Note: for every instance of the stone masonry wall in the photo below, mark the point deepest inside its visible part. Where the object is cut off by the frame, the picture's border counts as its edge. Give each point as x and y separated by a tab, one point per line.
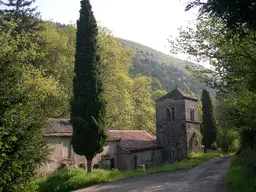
147	157
172	134
61	152
194	138
180	137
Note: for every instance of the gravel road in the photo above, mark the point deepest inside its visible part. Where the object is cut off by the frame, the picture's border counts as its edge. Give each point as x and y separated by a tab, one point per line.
208	177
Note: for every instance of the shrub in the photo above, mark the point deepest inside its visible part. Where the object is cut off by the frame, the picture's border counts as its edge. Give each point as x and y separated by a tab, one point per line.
228	140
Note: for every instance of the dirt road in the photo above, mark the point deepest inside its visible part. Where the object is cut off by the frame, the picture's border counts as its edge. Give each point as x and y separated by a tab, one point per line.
208	177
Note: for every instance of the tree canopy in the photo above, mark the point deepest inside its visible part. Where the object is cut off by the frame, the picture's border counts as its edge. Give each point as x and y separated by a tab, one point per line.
237	15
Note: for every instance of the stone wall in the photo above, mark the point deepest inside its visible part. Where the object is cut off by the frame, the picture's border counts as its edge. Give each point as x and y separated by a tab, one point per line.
194	138
172	134
61	152
192	104
179	137
149	158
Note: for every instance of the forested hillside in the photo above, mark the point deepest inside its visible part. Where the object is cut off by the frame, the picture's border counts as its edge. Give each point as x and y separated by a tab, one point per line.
166	71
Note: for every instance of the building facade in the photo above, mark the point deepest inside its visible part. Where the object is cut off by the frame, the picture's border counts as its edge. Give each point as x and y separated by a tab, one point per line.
177	135
177	125
124	149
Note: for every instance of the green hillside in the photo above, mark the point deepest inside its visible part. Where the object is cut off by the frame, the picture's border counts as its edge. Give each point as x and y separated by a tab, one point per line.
167	71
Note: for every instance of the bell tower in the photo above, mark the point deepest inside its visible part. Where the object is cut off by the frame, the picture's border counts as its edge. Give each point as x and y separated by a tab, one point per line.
177	125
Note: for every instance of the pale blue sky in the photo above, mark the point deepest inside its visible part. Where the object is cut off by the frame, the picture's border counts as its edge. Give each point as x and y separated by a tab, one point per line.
149	22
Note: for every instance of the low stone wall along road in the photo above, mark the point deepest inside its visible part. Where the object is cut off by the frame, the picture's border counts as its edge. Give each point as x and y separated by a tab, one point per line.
208	177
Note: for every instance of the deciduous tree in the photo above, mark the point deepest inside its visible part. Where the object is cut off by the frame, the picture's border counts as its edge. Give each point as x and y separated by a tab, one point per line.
22	148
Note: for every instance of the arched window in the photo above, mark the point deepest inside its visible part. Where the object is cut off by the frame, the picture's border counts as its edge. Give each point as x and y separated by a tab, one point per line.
168	114
192	113
173	114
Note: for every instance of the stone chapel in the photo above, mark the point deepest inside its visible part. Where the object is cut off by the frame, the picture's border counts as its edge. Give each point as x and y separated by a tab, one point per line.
177	135
177	125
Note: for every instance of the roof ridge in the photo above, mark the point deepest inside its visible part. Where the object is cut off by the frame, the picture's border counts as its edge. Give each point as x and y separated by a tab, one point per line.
171	95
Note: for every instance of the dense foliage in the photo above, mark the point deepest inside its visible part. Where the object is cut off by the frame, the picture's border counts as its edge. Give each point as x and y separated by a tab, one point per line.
22	148
25	16
87	105
244	166
124	92
237	15
166	71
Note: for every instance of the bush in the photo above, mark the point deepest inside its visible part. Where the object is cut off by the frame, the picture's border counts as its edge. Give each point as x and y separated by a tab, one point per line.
228	140
69	179
31	187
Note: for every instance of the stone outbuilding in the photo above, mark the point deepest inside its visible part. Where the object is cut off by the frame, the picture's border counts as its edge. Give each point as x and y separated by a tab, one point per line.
124	149
177	135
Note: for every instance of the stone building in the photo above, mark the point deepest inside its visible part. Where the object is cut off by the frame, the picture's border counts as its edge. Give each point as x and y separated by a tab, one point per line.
177	125
124	149
177	135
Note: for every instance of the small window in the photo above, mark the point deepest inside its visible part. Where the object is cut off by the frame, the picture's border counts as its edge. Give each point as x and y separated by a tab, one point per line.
69	152
168	114
172	113
192	113
112	163
152	158
135	162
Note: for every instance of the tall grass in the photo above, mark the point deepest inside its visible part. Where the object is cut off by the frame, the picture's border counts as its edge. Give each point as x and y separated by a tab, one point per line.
242	173
71	179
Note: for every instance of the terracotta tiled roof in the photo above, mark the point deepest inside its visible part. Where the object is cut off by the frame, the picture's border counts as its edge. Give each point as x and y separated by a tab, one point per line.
177	94
134	140
58	127
130	140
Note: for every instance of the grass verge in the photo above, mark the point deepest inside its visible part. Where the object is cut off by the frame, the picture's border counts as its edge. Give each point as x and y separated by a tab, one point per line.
242	173
71	179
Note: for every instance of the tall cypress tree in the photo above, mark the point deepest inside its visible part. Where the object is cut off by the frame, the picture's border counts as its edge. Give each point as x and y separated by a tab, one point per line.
209	130
87	105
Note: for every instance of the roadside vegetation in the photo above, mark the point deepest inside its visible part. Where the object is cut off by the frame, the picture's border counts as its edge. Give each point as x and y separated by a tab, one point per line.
241	175
36	82
225	36
71	179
